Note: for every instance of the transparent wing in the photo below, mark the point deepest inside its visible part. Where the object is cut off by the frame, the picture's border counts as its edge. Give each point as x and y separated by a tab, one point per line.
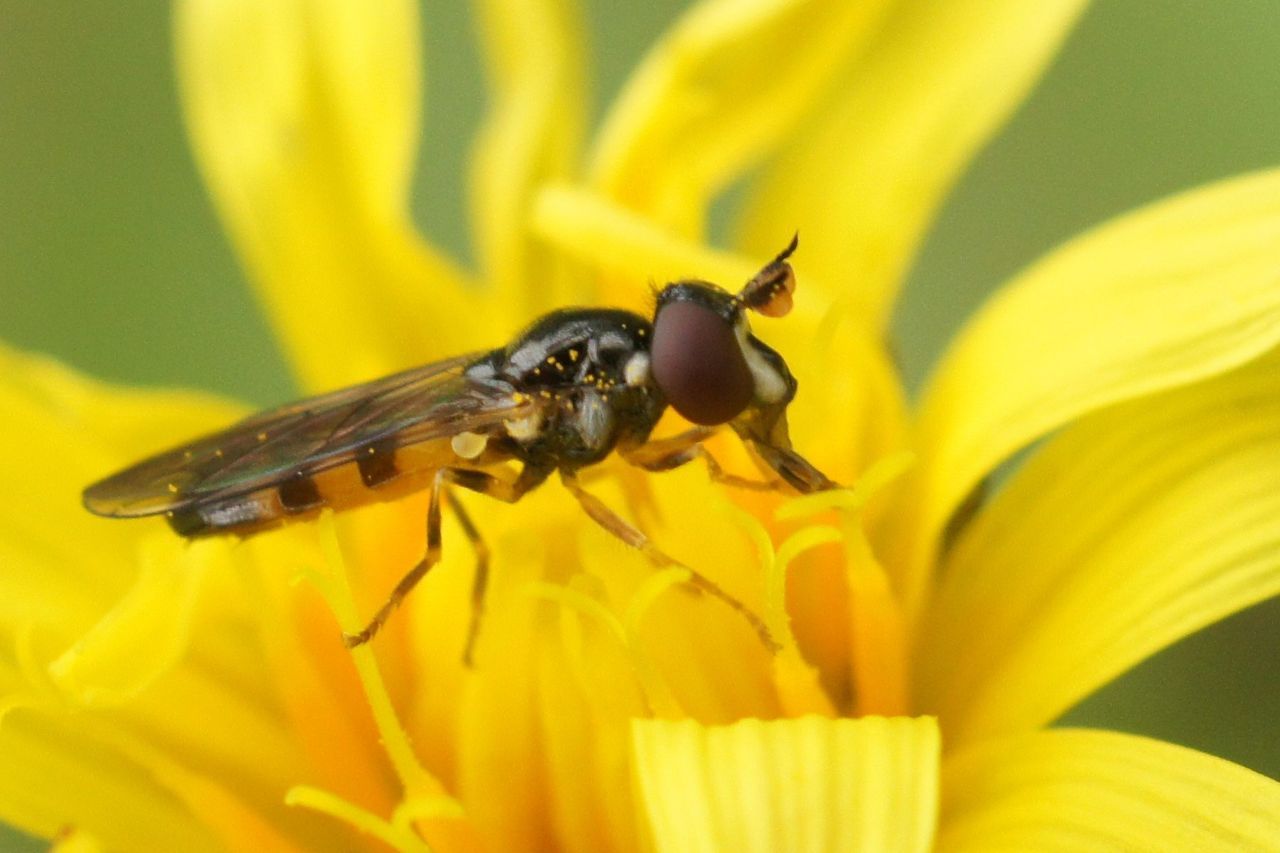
311	435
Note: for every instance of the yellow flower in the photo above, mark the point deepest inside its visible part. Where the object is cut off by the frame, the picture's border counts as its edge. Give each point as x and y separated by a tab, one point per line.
156	695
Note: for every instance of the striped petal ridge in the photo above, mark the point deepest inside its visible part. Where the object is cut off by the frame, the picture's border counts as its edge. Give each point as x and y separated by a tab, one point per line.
806	784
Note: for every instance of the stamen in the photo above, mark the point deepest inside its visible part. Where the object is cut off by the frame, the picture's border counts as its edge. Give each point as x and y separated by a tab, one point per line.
15	701
335	587
650	590
578	597
348	812
33	670
877	618
793	546
876	478
411	811
798	684
658	697
878	627
582	604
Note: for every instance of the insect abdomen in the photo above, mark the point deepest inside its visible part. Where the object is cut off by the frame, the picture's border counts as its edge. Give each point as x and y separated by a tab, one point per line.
377	473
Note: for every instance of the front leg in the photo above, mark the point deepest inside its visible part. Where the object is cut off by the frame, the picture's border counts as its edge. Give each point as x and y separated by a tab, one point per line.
764	431
797	471
666	454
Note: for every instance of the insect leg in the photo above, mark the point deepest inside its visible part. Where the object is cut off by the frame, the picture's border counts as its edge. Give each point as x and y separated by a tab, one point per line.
477	481
410	580
481	580
670	453
495	487
610	521
797	471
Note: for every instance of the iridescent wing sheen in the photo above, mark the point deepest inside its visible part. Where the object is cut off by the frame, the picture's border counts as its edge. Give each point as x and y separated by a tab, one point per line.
299	439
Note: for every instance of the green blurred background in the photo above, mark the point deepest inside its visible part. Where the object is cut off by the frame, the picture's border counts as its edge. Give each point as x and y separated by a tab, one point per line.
112	260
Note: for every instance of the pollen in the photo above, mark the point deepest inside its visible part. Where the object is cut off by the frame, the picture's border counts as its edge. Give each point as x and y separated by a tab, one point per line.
636	371
468	445
573	354
262	436
173	488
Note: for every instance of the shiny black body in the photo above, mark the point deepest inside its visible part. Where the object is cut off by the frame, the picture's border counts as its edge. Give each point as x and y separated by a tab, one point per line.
577	359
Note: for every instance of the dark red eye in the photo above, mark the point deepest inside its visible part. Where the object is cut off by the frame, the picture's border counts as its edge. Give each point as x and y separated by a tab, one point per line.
698	364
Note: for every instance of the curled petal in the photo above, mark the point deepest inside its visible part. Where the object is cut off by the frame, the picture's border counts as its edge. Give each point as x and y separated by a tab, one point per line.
1130	530
1084	790
863	177
720	89
532	134
1184	289
304	120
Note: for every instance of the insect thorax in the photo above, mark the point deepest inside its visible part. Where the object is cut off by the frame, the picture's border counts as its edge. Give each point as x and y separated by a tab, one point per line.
591	366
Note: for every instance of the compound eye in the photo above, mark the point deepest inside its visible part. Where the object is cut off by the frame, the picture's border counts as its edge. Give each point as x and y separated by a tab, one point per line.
698	364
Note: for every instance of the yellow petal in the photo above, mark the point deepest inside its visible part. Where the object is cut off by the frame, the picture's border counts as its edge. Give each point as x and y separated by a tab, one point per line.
304	120
321	697
532	134
1130	530
56	776
97	618
1181	290
805	784
502	760
75	841
63	566
582	635
863	177
728	81
1075	790
144	634
632	250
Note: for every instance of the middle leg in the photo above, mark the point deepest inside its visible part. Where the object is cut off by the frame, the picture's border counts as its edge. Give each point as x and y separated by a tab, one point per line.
610	521
480	581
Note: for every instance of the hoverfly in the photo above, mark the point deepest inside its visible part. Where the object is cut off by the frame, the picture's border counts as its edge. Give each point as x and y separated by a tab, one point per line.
576	385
